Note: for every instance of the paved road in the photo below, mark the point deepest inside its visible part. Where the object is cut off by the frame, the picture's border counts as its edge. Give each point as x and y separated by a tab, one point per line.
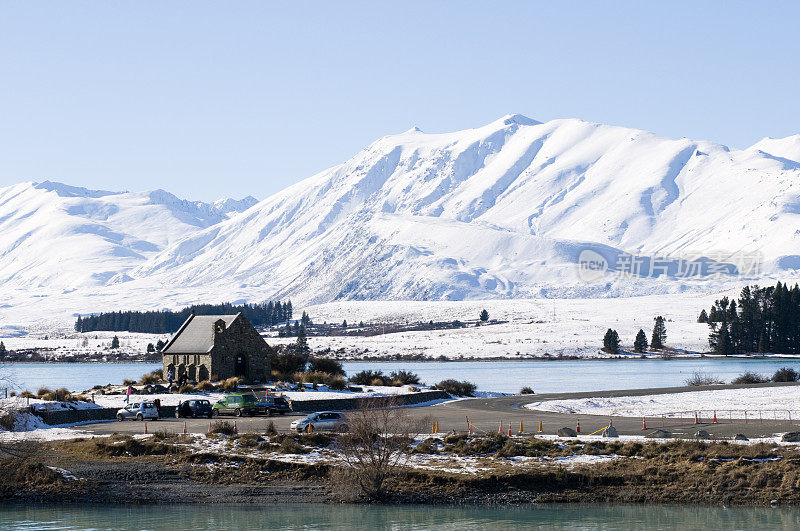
487	413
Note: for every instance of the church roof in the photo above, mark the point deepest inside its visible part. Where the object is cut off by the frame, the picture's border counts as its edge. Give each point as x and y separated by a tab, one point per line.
196	334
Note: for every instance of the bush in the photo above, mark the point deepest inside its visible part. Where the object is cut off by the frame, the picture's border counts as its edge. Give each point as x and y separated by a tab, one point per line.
398	378
526	391
701	378
327	366
223	427
367	377
27	394
128	382
205	386
186	388
231	384
271	430
454	387
150	378
337	383
314	377
43	391
749	378
785	374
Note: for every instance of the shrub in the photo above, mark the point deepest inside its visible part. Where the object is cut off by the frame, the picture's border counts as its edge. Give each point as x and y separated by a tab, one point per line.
314	377
291	446
785	374
327	366
377	381
701	378
205	386
454	387
128	382
43	391
398	378
150	378
526	391
337	383
366	377
750	378
27	394
223	427
271	430
186	388
231	384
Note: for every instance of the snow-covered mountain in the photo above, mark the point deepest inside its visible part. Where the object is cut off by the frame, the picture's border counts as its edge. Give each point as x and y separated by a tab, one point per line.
500	211
503	210
66	237
787	148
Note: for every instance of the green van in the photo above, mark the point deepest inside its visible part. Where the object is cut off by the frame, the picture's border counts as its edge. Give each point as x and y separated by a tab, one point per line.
237	405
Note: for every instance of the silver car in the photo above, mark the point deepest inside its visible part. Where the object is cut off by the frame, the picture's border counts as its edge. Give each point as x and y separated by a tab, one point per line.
322	421
138	411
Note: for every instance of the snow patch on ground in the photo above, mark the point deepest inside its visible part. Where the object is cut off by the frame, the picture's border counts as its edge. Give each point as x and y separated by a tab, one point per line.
784	399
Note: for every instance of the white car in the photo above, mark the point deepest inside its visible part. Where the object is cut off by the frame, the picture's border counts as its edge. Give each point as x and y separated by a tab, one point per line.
138	411
322	421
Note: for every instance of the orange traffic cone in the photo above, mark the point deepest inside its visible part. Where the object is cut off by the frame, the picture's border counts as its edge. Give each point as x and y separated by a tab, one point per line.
644	423
578	429
715	418
500	429
509	429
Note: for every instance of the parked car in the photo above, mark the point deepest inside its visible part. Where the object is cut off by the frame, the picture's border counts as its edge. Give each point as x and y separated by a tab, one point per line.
138	411
321	421
193	408
236	404
273	404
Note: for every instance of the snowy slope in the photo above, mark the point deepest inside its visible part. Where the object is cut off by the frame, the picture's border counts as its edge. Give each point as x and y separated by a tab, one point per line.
499	211
787	148
59	236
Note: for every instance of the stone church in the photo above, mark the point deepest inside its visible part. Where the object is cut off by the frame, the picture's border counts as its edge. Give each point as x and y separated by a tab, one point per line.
218	346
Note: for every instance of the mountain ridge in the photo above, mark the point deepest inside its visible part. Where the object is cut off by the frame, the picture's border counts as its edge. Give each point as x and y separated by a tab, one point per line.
499	211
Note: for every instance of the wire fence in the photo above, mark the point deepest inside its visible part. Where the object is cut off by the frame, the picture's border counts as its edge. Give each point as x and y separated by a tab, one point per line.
723	416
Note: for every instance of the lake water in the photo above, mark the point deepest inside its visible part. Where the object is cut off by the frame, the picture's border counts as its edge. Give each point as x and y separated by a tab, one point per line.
503	376
348	517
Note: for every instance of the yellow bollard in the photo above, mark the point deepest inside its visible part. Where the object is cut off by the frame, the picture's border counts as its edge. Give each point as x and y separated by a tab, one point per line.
309	428
540	426
437	425
521	428
433	427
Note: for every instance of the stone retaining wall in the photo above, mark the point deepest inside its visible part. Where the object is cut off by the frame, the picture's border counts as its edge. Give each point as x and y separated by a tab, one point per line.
342	404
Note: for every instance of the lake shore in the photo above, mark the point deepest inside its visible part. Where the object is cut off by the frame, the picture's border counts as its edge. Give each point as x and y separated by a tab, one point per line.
500	471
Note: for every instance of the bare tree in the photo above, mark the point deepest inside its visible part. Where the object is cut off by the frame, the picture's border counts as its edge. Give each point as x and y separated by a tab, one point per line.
375	447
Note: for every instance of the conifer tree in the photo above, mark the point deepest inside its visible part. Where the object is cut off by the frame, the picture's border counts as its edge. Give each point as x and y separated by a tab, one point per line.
484	315
611	341
659	334
3	350
640	343
301	346
344	324
115	342
703	318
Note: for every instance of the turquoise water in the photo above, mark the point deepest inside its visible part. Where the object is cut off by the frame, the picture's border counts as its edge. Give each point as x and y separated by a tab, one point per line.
503	376
348	517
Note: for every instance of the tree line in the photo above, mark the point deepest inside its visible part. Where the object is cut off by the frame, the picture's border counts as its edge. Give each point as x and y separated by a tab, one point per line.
167	322
762	320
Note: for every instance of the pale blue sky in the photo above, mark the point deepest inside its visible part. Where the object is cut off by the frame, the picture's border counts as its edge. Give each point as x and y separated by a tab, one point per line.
210	99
